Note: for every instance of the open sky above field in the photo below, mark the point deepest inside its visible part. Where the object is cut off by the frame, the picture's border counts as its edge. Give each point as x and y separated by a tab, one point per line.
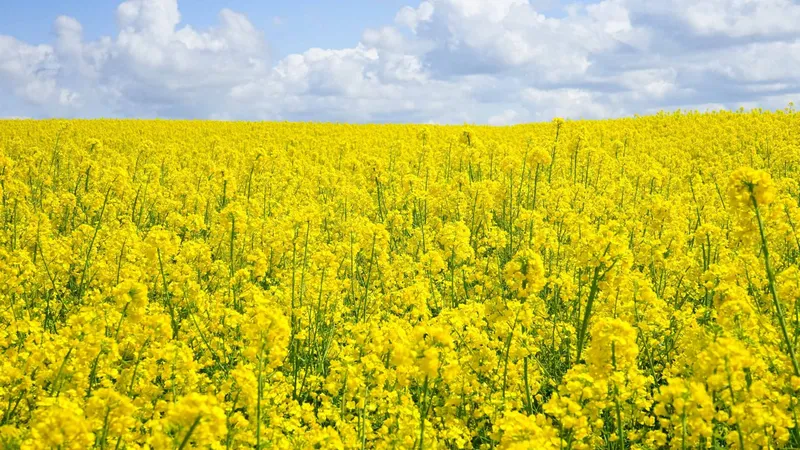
443	61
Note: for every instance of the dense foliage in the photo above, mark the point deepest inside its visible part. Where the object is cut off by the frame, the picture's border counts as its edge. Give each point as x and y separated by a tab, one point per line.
629	283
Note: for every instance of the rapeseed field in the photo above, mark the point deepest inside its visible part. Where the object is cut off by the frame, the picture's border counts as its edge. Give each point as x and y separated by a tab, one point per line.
616	284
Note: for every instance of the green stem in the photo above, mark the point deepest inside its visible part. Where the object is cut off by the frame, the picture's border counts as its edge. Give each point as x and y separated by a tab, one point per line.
423	413
771	280
91	245
189	433
587	313
527	385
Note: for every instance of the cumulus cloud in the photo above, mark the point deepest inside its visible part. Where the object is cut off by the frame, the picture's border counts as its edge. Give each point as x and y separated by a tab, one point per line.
154	66
440	61
506	117
28	70
726	18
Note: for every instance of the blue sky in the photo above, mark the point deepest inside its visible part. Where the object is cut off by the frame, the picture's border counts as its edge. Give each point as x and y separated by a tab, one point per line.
439	61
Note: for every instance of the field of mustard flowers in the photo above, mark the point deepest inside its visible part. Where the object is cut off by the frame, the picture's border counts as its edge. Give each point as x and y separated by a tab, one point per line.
615	284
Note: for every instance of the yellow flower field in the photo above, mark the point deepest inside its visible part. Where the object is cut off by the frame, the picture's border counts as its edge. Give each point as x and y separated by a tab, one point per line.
615	284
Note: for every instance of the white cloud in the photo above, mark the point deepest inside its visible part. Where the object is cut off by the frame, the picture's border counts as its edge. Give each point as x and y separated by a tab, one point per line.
28	71
732	18
155	65
650	83
507	117
67	97
760	62
156	18
411	17
577	103
441	61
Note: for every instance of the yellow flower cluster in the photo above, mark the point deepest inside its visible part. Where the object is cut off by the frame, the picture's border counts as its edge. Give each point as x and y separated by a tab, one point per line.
621	284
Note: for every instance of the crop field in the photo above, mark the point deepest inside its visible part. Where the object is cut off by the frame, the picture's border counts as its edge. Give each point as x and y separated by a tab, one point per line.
616	284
